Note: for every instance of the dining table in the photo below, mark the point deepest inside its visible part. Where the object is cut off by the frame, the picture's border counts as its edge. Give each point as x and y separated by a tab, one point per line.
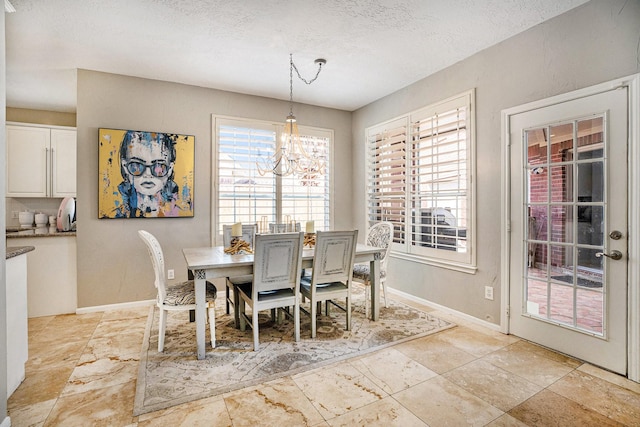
212	262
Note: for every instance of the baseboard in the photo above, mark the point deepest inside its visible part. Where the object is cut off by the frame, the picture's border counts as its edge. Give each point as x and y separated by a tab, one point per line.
6	422
447	310
109	307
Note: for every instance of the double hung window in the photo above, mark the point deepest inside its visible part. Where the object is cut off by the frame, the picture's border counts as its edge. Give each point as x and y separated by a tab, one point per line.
419	177
244	194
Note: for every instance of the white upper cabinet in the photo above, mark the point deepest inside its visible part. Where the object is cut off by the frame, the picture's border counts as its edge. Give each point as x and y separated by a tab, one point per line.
41	161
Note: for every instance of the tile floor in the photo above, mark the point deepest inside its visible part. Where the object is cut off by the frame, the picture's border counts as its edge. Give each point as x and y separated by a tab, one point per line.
82	372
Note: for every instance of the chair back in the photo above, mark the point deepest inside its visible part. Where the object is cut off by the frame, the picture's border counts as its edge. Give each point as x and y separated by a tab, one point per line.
284	228
333	256
157	260
380	235
248	234
277	262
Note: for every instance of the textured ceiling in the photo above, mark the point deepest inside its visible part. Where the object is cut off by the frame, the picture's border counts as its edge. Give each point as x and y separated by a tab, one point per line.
372	47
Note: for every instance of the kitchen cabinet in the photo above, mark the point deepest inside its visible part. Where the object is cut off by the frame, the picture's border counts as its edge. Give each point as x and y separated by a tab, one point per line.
17	328
41	161
52	273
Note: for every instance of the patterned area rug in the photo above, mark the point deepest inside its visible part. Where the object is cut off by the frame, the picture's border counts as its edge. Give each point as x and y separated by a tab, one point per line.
176	376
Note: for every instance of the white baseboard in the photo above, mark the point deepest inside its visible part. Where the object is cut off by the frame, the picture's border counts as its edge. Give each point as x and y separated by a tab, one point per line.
109	307
447	310
6	422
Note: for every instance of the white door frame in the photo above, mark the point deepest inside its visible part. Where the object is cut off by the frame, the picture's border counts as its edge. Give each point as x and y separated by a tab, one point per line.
633	309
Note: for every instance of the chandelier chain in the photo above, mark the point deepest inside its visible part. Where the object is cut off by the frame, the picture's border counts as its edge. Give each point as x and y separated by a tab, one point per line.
302	78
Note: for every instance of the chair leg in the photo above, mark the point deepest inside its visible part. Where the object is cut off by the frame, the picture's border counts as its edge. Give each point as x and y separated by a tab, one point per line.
296	322
227	298
367	302
212	323
161	329
313	308
348	313
243	321
254	323
384	289
236	312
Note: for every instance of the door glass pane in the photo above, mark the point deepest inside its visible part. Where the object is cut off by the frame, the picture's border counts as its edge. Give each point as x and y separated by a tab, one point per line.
537	144
561	142
590	224
589	313
590	138
565	215
562	183
562	223
561	303
590	182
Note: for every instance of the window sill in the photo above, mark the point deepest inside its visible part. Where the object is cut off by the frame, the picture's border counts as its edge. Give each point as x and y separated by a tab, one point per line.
450	265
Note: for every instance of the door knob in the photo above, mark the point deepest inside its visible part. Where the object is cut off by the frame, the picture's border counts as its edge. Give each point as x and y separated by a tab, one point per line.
615	235
613	255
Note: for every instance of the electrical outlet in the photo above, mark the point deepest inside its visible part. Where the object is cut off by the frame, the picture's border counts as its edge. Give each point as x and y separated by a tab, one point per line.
170	274
488	292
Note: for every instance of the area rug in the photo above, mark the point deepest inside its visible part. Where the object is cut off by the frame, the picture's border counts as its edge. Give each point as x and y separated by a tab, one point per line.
175	376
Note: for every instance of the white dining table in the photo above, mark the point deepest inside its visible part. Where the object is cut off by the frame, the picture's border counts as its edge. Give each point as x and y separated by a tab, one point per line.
213	262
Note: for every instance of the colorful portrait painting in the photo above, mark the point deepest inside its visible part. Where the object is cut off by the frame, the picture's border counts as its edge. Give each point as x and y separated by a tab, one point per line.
145	174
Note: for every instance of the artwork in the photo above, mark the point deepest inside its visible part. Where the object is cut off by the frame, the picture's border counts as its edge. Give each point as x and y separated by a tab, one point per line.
145	174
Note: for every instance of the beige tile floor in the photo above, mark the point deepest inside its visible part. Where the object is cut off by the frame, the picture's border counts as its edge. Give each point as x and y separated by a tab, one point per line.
82	372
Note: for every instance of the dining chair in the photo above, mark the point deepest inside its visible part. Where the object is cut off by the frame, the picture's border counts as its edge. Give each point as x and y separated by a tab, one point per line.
179	297
379	235
331	275
277	263
248	235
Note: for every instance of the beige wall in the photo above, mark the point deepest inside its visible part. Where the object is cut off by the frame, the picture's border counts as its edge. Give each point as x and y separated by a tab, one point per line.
591	44
113	265
3	290
53	118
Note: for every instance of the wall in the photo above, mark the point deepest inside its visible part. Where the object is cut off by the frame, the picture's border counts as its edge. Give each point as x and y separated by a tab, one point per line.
591	44
113	265
42	117
3	290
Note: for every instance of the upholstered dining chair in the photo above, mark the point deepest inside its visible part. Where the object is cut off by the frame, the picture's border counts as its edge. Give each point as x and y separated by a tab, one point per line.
181	296
277	262
379	235
248	235
331	275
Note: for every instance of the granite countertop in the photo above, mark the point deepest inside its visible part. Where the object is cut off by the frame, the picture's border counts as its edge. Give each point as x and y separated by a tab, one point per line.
16	232
14	251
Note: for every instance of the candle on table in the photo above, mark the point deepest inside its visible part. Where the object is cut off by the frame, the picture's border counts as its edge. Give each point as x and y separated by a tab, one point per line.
236	229
310	227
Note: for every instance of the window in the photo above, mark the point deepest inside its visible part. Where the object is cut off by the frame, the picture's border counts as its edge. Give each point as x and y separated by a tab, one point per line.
244	195
419	177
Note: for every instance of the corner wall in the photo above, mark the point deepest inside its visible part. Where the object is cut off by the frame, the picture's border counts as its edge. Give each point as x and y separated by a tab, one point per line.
4	420
591	44
113	264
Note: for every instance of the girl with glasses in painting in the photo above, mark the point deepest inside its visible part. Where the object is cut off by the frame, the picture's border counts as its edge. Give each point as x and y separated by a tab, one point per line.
146	165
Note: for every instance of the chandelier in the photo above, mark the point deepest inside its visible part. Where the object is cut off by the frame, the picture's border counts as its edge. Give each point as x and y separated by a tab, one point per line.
290	156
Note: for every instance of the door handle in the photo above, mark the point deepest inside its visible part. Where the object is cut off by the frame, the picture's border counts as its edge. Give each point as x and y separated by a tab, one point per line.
613	255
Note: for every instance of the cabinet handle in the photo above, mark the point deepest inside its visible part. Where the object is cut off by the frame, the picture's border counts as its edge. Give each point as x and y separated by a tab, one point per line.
48	173
53	172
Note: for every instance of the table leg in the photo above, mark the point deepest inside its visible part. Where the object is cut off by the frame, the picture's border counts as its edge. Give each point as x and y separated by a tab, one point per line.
374	276
201	312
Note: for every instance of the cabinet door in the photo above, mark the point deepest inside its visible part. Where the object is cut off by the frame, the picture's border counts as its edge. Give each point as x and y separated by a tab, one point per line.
27	161
63	164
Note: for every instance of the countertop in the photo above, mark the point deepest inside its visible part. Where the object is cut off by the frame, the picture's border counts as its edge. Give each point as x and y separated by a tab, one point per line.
17	232
14	251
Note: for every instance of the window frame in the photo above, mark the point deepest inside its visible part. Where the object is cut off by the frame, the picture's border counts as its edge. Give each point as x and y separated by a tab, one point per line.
459	261
278	128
